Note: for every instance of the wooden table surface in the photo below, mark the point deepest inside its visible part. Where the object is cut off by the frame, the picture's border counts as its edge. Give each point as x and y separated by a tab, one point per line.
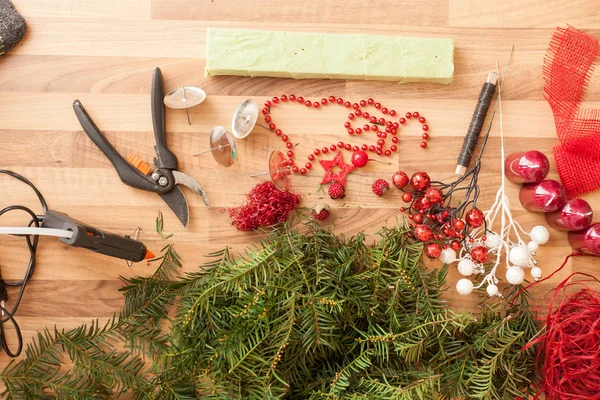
103	53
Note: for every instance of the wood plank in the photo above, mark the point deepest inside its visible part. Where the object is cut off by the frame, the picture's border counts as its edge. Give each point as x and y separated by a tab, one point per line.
84	9
53	111
429	12
73	74
582	14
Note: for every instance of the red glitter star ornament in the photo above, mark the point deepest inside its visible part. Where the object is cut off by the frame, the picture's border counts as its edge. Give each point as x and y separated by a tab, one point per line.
328	166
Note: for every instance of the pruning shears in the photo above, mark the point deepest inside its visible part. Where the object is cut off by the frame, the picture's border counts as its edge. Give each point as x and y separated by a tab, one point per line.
164	177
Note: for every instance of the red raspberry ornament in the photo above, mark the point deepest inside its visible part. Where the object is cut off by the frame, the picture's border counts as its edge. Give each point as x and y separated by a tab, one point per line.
423	233
320	212
479	254
360	158
433	250
400	179
406	197
418	218
380	186
336	190
420	181
434	195
474	218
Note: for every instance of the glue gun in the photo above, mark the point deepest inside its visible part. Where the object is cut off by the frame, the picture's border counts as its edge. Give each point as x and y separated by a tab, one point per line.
93	239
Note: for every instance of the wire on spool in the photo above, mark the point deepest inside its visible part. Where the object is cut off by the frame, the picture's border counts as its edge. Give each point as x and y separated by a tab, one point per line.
472	137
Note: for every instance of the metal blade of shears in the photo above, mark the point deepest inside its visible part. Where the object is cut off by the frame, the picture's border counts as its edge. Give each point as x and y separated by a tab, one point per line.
188	181
176	201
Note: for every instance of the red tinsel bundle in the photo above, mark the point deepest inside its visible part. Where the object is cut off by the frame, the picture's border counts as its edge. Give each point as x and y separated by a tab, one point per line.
568	67
266	206
570	346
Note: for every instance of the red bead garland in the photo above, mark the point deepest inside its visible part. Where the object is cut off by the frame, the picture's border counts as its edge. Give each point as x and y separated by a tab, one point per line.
381	127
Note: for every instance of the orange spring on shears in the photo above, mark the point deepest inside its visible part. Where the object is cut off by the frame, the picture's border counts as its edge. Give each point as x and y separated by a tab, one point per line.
139	164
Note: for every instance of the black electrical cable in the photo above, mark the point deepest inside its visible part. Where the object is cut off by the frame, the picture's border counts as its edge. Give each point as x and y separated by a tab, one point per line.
32	245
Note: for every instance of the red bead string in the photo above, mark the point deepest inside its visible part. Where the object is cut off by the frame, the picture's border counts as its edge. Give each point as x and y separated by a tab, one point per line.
383	127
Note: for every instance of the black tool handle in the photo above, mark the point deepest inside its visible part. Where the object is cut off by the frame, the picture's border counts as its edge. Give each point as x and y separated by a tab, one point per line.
96	240
166	158
472	137
128	174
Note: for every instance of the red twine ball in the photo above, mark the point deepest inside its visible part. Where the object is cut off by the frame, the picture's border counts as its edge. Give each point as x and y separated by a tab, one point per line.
266	206
568	349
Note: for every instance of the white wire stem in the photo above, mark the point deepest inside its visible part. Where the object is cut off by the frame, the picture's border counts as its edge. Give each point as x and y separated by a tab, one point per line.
20	230
501	207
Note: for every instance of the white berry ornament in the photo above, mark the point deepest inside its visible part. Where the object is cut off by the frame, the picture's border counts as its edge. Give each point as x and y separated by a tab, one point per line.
464	286
492	290
492	240
540	234
466	267
533	246
448	256
536	273
515	275
519	256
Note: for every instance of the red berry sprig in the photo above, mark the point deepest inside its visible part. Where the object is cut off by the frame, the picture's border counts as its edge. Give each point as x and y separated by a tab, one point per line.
383	127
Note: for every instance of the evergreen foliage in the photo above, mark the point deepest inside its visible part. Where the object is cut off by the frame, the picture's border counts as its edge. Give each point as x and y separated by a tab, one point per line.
300	316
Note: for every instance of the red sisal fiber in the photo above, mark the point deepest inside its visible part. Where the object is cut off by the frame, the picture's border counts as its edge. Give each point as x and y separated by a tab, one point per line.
568	66
569	349
266	205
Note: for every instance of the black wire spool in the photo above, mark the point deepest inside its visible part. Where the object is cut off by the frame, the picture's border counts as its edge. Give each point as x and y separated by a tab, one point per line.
481	110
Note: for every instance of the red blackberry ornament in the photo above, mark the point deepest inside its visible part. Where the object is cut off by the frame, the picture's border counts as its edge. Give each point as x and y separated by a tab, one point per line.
336	190
380	186
320	212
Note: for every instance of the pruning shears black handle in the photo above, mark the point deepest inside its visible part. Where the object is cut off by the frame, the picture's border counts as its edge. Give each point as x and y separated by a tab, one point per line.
165	157
127	172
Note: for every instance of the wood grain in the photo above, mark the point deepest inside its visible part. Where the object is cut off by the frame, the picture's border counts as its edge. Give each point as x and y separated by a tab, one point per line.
103	53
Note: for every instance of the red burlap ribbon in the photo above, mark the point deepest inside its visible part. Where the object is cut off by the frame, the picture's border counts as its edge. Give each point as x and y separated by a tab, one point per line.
568	65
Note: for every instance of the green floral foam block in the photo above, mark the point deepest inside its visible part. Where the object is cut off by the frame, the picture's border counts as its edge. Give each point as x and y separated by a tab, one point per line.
305	55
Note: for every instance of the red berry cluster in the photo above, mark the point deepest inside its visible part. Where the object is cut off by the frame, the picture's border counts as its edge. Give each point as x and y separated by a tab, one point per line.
436	221
383	127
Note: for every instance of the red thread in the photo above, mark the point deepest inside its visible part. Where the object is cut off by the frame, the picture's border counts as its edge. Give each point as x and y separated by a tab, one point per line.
569	349
265	206
568	66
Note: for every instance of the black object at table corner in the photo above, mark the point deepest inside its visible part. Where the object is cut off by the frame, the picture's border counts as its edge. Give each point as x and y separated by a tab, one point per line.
96	240
12	26
481	109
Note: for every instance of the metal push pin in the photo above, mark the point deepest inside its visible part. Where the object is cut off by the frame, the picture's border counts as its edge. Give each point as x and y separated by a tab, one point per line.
222	142
245	119
279	170
222	146
184	98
